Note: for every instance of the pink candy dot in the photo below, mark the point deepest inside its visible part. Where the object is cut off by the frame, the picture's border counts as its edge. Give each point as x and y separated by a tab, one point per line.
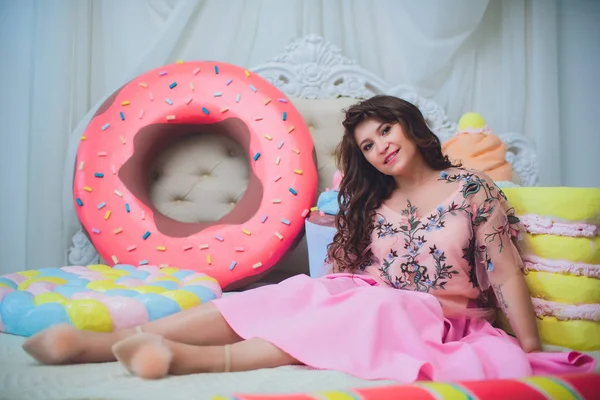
125	312
131	282
41	287
74	269
149	268
153	277
4	291
89	295
16	278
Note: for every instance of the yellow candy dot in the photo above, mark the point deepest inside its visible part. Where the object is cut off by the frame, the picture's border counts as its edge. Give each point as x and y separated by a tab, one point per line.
184	298
169	270
49	297
110	275
52	279
101	286
99	267
149	289
118	272
89	314
202	278
29	274
471	120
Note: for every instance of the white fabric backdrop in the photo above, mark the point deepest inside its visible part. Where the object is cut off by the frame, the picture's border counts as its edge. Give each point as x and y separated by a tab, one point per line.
61	58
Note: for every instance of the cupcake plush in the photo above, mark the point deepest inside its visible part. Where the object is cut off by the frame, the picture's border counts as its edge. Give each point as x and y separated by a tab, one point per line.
477	147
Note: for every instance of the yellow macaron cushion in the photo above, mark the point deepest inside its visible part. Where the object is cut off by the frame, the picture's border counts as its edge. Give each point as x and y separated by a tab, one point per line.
553	247
563	288
563	203
98	297
578	335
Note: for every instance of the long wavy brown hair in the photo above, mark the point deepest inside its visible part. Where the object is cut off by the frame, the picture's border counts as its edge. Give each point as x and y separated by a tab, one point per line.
363	188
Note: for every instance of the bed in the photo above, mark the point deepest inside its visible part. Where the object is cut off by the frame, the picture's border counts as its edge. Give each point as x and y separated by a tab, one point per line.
321	81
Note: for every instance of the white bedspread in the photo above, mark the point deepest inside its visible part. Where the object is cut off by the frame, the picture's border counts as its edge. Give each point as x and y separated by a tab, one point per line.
21	378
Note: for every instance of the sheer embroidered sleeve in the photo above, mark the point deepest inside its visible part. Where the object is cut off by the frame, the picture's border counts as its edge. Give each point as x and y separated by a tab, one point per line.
496	231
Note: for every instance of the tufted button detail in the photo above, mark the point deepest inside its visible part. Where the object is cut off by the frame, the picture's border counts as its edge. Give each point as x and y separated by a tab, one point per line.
232	153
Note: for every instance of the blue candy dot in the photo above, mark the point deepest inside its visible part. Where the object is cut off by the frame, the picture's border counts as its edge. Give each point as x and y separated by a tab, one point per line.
68	290
158	306
56	272
10	283
203	293
14	306
125	267
182	274
121	292
169	285
42	317
78	282
139	274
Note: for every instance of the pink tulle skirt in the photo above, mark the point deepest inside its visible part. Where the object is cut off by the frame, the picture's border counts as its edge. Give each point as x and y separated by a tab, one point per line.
351	324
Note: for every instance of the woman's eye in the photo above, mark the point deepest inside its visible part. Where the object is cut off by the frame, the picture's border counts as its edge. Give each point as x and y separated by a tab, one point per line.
366	147
385	130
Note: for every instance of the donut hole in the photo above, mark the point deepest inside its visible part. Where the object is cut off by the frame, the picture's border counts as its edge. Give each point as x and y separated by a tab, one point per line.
193	176
197	177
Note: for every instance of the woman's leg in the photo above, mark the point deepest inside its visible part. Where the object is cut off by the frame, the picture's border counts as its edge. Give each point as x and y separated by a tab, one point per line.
64	344
150	356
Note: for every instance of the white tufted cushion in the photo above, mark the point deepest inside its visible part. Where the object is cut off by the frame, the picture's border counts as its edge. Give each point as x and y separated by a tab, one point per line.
324	120
199	178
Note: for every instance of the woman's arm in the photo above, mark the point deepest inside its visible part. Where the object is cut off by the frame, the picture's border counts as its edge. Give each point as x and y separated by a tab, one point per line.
514	299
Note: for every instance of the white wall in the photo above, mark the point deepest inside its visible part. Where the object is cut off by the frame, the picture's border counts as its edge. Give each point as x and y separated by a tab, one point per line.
579	88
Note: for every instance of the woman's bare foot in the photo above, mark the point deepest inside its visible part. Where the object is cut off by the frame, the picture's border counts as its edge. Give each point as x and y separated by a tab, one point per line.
145	355
65	344
151	356
59	344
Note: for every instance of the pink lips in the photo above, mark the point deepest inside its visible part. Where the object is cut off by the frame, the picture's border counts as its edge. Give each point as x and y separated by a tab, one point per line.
391	156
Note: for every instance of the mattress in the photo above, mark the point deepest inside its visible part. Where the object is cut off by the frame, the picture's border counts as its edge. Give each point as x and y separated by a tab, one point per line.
23	379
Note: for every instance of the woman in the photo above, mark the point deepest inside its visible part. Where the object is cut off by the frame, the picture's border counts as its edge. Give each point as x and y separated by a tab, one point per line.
420	246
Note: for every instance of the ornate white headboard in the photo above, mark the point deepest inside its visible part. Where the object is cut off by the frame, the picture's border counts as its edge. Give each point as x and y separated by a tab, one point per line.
311	68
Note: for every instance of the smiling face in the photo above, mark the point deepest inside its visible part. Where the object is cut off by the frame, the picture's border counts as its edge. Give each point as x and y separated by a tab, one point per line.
386	146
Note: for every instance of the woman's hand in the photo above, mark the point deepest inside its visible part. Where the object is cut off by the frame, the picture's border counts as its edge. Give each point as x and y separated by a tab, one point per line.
531	345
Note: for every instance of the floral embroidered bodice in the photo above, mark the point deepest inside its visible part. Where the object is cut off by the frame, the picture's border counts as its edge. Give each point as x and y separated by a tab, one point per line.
459	250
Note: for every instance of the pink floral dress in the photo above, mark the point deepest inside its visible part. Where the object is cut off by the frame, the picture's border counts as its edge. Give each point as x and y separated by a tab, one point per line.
419	309
455	252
